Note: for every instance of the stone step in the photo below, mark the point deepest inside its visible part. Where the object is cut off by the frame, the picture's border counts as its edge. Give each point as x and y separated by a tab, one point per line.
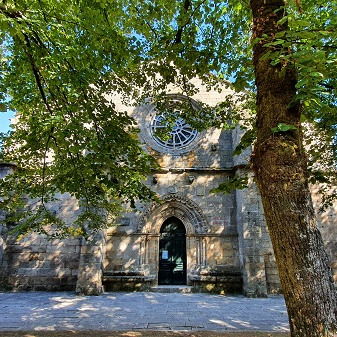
172	289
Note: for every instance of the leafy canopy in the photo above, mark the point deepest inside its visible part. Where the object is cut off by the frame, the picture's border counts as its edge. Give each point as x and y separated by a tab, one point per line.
60	59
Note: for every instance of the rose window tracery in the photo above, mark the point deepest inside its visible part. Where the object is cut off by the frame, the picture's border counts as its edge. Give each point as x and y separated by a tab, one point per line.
182	133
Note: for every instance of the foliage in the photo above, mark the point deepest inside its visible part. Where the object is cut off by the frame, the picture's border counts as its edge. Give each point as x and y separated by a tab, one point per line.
282	127
312	38
60	59
237	182
214	37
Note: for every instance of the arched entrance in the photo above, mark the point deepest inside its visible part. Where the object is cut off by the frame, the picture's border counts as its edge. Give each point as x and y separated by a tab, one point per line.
172	252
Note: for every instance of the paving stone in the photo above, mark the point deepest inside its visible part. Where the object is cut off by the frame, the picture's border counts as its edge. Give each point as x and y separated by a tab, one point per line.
140	311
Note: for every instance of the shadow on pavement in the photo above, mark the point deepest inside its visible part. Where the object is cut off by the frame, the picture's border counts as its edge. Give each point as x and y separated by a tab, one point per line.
140	334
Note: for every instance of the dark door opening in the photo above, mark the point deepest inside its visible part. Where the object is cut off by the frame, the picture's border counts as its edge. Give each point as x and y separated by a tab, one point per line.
172	252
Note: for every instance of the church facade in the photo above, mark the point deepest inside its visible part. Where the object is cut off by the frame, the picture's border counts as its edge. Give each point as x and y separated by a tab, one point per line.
211	242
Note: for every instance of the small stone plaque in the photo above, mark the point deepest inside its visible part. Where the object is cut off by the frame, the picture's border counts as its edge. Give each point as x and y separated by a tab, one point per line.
218	221
201	191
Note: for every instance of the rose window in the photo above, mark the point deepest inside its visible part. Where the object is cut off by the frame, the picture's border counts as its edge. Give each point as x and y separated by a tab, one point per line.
182	134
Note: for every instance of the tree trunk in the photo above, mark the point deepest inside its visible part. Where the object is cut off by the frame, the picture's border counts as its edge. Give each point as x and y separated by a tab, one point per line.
279	163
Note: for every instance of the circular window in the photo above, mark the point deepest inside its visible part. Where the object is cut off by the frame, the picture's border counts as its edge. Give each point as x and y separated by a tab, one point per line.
181	135
155	124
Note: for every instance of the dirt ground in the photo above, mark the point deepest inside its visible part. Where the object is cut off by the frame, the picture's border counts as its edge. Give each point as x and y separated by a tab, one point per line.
139	334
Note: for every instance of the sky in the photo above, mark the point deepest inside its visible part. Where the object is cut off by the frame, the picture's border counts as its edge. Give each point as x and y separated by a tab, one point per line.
4	120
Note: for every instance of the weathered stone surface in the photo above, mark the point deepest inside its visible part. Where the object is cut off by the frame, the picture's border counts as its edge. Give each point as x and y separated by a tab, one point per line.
228	248
89	277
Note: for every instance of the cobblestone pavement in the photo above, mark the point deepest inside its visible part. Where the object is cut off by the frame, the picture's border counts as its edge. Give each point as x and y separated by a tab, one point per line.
140	311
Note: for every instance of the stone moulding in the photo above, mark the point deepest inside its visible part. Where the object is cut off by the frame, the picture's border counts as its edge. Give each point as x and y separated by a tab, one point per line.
129	276
173	205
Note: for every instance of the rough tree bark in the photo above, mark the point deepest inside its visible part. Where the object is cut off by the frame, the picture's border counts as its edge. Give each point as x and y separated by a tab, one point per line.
279	163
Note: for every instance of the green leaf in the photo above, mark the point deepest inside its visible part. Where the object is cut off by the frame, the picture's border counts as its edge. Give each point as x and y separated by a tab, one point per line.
282	127
266	55
247	140
237	182
302	23
283	20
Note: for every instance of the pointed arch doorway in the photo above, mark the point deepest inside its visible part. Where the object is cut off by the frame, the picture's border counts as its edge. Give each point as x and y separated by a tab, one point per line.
172	253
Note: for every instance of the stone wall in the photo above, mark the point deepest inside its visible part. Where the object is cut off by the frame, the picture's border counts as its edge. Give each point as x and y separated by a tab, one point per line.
253	239
35	263
228	245
188	175
90	268
327	224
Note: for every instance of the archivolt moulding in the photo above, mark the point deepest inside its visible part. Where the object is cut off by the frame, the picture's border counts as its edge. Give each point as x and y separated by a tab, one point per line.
173	205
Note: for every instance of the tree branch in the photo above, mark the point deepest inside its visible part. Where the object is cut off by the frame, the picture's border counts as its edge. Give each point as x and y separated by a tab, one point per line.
177	39
10	13
36	73
147	23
